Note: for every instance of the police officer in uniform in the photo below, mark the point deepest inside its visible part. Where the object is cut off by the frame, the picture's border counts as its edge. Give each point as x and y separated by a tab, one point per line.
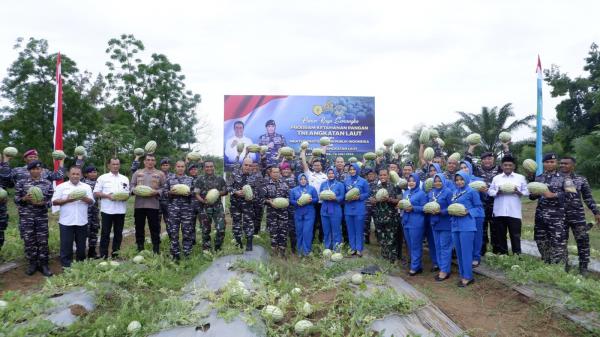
550	231
576	188
211	212
33	218
273	141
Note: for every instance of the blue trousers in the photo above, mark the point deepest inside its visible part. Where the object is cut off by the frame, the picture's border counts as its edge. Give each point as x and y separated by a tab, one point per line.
463	243
443	248
478	240
414	240
431	243
304	231
356	231
332	230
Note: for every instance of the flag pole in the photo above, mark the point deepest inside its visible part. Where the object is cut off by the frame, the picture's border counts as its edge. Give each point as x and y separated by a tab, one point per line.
538	139
58	111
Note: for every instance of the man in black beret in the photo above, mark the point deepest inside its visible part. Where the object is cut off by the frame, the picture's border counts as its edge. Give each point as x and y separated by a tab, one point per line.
273	140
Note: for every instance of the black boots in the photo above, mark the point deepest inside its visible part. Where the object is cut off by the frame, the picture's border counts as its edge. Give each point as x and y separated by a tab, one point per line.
92	253
249	244
46	270
238	243
31	269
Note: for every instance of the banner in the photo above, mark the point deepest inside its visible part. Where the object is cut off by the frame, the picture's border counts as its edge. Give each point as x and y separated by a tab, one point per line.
277	121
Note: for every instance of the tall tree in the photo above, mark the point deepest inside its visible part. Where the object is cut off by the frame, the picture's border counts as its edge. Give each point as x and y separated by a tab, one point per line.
29	89
579	112
489	123
153	93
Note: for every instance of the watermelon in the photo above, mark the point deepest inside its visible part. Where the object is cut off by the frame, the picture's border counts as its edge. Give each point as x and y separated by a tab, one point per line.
327	253
10	151
352	193
303	327
402	183
143	191
77	194
3	194
120	196
79	151
138	151
434	133
428	184
212	196
336	257
381	194
150	147
180	189
307	309
357	279
424	136
280	203
455	156
36	194
431	207
304	199
138	259
404	204
379	152
194	156
317	152
304	145
457	209
428	154
530	165
504	137
325	141
248	194
389	142
272	312
398	148
134	326
394	177
507	188
537	188
352	160
327	195
264	149
478	185
370	156
286	151
440	142
474	139
253	148
58	155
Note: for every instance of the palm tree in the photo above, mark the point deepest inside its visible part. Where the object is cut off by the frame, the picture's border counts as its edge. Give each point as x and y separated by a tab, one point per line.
490	122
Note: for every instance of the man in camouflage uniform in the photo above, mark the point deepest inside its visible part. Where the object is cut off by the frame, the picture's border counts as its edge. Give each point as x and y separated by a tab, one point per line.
242	210
211	212
290	180
180	212
487	169
33	218
385	217
196	207
576	187
371	177
257	203
277	219
90	176
273	140
550	231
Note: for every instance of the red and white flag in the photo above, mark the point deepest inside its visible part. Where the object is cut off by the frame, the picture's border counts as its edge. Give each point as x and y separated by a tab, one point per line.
58	110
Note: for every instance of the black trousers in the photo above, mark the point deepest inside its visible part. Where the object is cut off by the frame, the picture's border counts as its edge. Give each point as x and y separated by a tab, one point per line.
488	225
140	215
68	235
500	226
114	222
318	227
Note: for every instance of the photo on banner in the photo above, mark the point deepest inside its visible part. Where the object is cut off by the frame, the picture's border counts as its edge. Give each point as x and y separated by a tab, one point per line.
278	121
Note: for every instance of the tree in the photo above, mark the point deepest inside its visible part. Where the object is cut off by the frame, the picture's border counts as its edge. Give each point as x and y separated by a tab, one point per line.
588	158
579	112
27	122
154	94
489	123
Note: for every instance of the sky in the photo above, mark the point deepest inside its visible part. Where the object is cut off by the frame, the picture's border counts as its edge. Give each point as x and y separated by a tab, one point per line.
421	61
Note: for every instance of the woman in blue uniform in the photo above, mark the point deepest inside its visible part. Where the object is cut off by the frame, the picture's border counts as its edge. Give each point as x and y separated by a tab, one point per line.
304	215
440	223
331	211
478	214
463	227
355	209
414	223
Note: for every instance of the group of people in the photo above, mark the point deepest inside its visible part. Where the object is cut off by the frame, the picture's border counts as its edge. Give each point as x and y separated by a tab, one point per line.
320	207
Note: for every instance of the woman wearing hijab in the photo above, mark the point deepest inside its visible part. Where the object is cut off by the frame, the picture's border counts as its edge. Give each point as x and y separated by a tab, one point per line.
304	215
478	214
440	223
464	227
385	216
355	209
414	223
331	211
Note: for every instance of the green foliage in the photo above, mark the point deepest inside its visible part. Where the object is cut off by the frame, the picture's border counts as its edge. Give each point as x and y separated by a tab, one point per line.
588	157
452	134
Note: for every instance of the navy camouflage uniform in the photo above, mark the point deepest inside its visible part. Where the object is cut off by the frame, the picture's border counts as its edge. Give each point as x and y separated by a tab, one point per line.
549	231
385	216
33	220
93	221
291	183
258	205
278	142
576	187
180	215
277	219
242	211
369	211
211	213
196	209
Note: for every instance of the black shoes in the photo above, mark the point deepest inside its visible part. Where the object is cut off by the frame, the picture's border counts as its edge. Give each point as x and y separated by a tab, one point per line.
464	285
31	269
238	243
92	253
46	270
441	279
249	244
416	272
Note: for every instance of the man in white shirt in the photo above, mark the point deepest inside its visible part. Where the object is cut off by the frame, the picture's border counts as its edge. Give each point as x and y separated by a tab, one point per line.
316	177
112	211
73	217
231	154
507	208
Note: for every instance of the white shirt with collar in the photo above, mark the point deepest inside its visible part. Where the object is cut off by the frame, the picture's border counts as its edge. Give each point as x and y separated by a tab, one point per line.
231	151
73	213
508	204
316	179
110	183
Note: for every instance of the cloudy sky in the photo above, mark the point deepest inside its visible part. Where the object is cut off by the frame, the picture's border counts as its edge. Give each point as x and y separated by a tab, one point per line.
422	62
